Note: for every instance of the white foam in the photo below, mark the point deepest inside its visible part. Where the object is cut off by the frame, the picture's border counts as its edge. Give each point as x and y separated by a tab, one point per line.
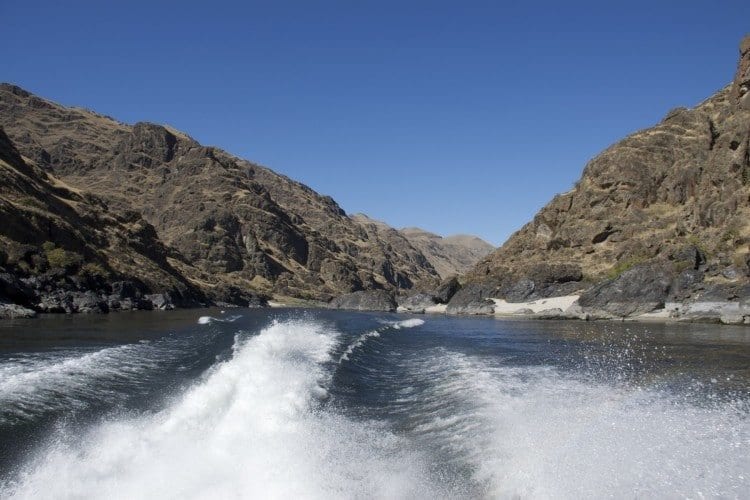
408	323
250	429
396	325
533	432
32	383
205	320
358	343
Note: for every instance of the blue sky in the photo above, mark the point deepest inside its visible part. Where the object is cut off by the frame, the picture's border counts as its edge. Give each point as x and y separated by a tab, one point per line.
458	117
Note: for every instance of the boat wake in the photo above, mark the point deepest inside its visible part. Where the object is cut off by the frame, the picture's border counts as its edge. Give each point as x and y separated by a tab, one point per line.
62	380
534	432
252	427
395	325
283	417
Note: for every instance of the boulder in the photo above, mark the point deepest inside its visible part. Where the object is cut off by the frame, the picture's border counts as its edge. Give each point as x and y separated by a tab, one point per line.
639	290
690	255
12	311
417	303
16	290
446	290
365	300
474	299
520	290
234	296
58	301
89	302
686	284
161	301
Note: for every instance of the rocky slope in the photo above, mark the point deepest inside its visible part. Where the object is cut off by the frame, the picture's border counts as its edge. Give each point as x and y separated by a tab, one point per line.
228	229
663	215
449	255
62	250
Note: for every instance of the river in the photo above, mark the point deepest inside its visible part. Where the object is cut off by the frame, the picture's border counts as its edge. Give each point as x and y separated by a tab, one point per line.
283	403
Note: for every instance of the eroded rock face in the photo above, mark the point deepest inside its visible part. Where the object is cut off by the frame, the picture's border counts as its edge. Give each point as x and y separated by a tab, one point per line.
639	290
740	94
677	194
365	300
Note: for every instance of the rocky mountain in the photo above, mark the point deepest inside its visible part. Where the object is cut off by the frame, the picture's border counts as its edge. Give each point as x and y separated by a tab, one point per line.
449	255
62	250
662	215
228	229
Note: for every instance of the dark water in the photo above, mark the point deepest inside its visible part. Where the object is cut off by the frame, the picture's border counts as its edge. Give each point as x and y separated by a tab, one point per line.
318	404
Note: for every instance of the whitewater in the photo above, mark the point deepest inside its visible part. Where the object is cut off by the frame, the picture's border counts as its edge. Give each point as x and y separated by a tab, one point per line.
319	405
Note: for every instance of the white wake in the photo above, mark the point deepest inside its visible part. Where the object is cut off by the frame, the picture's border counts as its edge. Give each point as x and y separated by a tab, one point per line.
532	432
252	428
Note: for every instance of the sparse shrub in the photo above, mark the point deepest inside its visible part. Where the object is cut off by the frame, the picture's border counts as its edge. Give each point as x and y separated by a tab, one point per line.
698	243
729	235
60	258
27	201
624	265
94	270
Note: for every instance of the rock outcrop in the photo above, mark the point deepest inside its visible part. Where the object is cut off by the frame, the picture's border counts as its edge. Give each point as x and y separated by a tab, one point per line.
663	215
365	300
62	250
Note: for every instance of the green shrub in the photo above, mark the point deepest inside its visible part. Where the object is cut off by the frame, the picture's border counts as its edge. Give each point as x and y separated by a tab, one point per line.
59	257
48	246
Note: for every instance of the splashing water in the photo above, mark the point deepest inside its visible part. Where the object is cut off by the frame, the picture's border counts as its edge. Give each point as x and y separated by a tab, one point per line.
250	428
304	409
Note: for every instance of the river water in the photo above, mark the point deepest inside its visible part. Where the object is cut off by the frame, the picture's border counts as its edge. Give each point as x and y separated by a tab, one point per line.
321	404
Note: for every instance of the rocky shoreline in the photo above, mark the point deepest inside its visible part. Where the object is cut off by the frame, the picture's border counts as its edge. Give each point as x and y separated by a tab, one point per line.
605	301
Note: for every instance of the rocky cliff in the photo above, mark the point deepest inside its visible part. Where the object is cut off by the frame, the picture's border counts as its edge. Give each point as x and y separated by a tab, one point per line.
227	229
62	250
662	215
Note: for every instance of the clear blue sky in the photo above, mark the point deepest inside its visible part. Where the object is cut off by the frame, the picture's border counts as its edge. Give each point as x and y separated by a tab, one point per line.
459	117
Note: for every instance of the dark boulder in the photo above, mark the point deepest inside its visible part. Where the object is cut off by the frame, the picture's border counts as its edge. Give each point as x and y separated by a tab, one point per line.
15	290
234	296
365	300
639	290
473	298
89	302
446	290
520	290
417	303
